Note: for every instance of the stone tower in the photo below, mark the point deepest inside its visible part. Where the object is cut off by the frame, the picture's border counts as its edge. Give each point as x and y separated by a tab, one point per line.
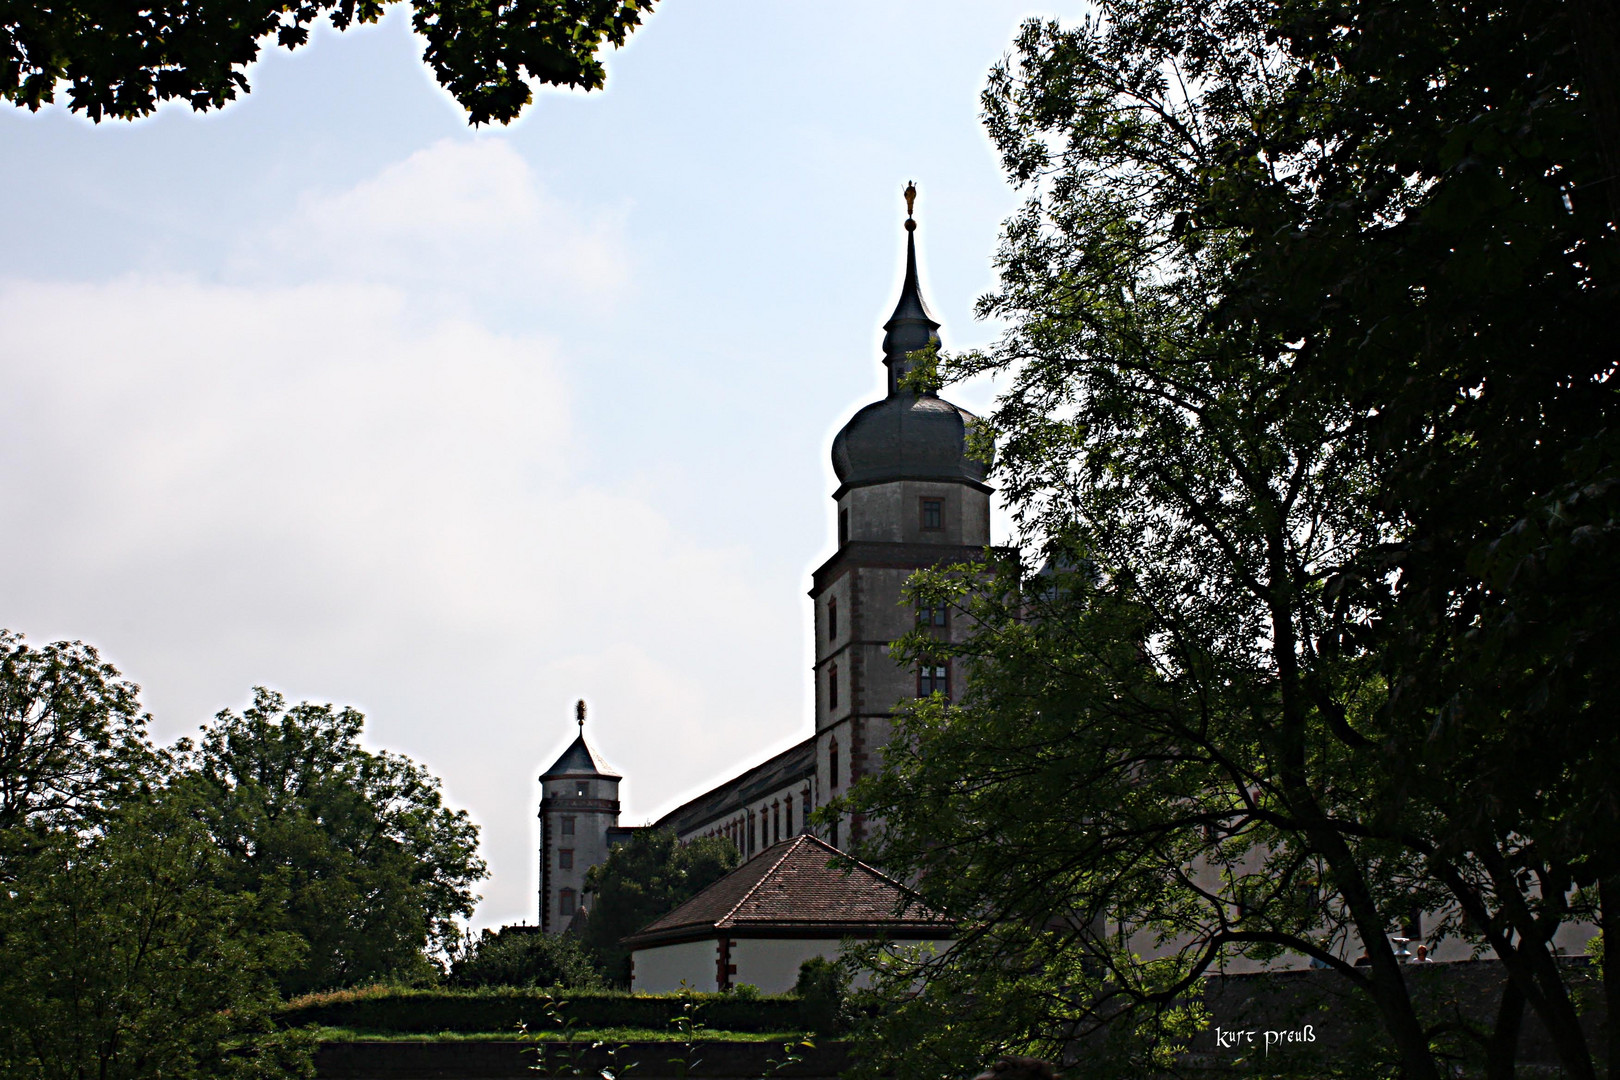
579	813
909	497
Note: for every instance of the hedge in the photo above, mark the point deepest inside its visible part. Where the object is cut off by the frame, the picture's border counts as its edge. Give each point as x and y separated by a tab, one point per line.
385	1009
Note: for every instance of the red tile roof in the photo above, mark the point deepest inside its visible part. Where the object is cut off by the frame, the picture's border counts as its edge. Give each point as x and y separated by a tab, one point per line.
792	889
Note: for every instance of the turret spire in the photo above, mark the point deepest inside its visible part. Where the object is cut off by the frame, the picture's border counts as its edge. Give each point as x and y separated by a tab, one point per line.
910	327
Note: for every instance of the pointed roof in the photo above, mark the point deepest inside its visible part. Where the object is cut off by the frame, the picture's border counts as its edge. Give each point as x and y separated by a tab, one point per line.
578	760
793	888
911	327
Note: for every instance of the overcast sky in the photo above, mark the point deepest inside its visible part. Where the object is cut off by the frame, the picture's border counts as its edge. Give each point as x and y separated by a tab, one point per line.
330	393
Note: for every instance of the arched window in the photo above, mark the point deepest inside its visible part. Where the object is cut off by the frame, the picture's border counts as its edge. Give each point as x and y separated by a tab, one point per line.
788	822
832	686
776	822
832	763
804	801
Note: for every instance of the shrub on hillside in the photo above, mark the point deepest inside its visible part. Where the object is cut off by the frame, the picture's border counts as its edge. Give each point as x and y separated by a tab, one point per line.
525	956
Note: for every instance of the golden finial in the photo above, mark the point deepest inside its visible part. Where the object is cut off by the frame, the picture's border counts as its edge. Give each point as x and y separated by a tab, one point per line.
579	714
911	197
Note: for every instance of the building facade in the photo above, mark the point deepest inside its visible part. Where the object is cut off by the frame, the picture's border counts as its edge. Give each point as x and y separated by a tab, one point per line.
909	497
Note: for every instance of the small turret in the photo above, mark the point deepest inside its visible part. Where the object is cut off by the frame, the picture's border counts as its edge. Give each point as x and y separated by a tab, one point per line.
579	807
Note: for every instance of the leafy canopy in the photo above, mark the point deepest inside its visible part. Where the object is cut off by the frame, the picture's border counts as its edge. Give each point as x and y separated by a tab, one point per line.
353	851
122	60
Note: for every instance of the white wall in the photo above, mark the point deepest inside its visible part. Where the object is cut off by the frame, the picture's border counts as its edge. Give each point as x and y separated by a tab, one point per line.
660	969
772	964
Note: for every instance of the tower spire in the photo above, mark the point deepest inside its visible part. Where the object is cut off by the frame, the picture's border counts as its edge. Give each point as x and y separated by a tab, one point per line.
579	715
910	327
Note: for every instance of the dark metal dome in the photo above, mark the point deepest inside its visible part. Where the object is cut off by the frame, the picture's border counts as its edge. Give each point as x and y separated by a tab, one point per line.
907	436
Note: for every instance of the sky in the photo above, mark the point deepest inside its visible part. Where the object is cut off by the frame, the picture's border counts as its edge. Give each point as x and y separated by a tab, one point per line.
331	393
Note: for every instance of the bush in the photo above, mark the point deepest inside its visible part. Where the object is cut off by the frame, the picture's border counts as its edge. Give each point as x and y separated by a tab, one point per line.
821	989
524	956
417	1012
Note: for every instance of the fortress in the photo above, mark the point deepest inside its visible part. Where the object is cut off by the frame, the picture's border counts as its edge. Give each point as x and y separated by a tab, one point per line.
908	497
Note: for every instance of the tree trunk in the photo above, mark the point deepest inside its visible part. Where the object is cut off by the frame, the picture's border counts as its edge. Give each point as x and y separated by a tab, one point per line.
1609	924
1502	1048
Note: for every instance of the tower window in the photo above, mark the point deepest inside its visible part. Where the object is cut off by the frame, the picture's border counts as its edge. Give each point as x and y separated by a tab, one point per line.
934	679
832	619
582	790
832	686
568	826
843	527
787	821
776	822
832	763
565	902
565	859
933	513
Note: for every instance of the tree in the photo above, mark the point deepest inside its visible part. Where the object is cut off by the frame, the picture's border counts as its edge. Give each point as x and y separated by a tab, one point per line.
121	60
1312	312
352	851
120	957
646	877
72	736
525	956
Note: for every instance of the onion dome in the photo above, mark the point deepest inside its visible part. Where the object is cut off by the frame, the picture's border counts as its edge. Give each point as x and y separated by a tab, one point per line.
907	435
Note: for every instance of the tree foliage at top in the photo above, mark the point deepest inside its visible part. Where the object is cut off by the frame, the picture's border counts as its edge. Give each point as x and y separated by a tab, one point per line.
1312	317
351	850
121	955
121	60
72	735
646	877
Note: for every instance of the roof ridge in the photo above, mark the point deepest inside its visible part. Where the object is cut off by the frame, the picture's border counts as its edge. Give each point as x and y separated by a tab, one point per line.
791	847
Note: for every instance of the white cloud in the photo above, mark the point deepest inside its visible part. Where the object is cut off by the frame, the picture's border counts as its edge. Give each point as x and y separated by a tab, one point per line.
463	218
319	489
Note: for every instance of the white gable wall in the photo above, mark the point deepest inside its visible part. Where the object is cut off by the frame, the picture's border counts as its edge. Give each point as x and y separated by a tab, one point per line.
662	968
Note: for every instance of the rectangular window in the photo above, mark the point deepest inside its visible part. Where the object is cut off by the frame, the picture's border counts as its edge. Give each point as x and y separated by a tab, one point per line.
843	527
568	826
832	619
832	686
565	859
932	615
932	679
776	822
582	790
565	902
933	513
788	817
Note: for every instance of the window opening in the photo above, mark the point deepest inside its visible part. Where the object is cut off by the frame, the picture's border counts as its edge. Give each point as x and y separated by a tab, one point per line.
933	513
932	679
832	686
565	859
832	763
568	826
565	901
832	619
843	527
